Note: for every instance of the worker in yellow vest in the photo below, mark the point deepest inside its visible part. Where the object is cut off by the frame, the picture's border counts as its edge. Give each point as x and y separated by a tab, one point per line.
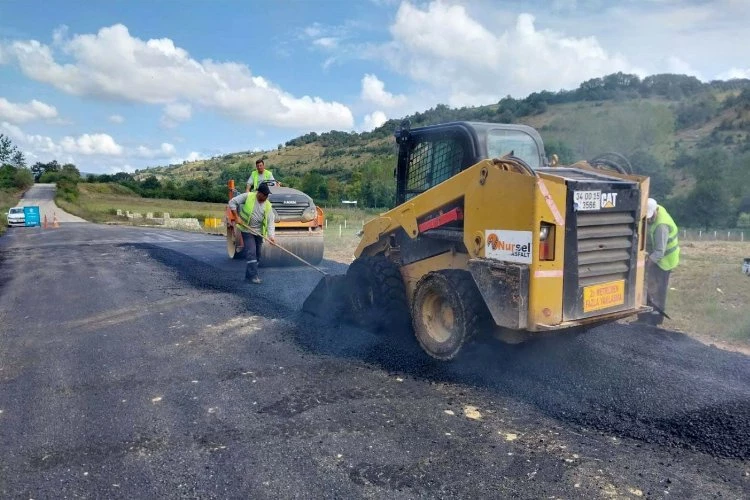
260	174
664	255
255	220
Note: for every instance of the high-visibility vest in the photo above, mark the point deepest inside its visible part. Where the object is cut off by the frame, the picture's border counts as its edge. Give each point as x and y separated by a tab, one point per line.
246	212
672	252
267	176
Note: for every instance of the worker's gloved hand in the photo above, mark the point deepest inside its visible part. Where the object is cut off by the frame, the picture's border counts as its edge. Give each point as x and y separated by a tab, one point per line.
272	240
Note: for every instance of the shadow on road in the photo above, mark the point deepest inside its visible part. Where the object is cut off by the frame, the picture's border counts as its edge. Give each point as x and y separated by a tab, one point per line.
648	384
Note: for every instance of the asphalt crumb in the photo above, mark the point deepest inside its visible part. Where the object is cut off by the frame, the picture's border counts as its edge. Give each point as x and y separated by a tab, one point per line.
641	383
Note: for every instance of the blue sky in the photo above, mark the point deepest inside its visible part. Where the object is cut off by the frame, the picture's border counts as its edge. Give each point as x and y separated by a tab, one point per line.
123	85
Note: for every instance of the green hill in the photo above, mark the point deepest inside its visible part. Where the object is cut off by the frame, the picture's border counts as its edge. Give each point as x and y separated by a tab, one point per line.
674	128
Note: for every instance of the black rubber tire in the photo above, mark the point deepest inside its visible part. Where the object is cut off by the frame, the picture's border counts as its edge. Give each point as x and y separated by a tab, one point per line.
468	313
377	295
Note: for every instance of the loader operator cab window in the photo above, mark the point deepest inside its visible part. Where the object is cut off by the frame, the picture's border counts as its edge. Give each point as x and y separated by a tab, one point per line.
500	142
432	162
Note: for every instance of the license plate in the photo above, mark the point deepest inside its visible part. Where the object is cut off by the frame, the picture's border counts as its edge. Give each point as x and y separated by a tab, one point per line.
587	200
603	296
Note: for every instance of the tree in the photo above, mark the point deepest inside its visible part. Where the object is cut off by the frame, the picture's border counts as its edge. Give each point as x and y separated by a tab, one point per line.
646	164
708	205
314	185
71	171
564	152
18	160
7	150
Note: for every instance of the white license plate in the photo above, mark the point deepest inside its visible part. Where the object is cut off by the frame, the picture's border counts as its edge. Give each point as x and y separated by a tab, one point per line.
587	200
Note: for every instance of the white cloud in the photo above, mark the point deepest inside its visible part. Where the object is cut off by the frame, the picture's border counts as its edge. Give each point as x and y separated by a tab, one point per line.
734	73
112	64
327	42
118	119
314	30
98	145
25	112
91	144
373	120
175	113
166	150
194	156
676	65
442	47
373	91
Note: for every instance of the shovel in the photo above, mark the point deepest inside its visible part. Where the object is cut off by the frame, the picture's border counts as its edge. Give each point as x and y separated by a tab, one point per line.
326	297
657	308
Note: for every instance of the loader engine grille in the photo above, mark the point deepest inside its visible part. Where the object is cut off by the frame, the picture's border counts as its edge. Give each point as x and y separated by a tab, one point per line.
605	242
601	245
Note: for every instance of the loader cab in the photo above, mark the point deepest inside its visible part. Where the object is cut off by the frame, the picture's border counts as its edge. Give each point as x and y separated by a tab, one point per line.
430	155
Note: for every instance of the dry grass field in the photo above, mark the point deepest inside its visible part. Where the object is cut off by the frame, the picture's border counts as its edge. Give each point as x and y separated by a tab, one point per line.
709	295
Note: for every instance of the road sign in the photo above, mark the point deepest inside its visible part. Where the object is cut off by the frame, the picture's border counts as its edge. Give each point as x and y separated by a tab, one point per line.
31	214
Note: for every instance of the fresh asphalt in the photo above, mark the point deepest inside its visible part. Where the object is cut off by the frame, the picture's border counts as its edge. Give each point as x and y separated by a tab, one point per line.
136	362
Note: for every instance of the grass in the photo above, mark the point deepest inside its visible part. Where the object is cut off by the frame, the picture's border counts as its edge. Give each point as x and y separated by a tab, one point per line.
100	202
8	198
708	292
340	246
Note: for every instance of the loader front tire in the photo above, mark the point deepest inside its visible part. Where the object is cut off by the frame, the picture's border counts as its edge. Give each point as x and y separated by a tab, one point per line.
447	312
376	294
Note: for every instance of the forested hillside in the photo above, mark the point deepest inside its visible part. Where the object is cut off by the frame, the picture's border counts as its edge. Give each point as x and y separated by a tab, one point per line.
692	138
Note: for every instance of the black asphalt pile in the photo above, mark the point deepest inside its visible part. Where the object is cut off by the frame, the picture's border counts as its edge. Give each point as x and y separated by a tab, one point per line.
327	299
655	386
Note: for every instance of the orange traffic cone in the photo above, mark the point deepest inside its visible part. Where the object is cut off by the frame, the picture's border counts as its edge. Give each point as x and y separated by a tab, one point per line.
45	221
54	220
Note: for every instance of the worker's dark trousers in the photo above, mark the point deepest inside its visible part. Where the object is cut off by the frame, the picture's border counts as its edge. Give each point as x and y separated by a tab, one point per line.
253	245
657	284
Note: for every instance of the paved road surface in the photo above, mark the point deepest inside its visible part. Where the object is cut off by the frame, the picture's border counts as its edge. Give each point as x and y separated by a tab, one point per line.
137	363
44	196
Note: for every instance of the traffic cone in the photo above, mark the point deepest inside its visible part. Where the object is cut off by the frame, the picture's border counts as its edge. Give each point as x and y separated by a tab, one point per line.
46	225
54	220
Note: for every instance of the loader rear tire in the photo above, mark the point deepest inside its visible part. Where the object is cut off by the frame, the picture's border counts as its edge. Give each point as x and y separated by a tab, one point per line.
377	295
447	312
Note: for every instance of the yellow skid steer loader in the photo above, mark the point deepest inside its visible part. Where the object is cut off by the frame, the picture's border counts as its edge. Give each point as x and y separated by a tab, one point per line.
489	234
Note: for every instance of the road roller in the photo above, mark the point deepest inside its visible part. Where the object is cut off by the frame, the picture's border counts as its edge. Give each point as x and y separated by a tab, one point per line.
299	228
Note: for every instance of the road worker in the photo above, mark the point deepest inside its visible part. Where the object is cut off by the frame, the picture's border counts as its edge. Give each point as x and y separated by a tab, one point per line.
255	220
260	174
664	255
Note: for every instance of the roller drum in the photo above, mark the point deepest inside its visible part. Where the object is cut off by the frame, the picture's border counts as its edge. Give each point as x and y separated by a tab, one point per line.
307	245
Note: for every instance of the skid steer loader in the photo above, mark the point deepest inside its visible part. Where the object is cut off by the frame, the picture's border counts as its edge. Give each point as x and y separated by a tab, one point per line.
490	234
299	228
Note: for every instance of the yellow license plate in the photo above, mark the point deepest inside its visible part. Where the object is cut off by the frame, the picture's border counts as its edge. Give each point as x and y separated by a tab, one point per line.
603	296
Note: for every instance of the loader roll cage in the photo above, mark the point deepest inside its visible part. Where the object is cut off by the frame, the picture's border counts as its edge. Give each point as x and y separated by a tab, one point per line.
430	155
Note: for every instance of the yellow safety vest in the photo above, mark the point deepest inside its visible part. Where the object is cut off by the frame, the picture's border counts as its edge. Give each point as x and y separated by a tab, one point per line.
267	176
672	252
246	212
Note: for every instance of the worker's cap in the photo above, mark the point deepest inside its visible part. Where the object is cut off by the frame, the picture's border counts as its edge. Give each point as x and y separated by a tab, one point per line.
263	188
651	207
